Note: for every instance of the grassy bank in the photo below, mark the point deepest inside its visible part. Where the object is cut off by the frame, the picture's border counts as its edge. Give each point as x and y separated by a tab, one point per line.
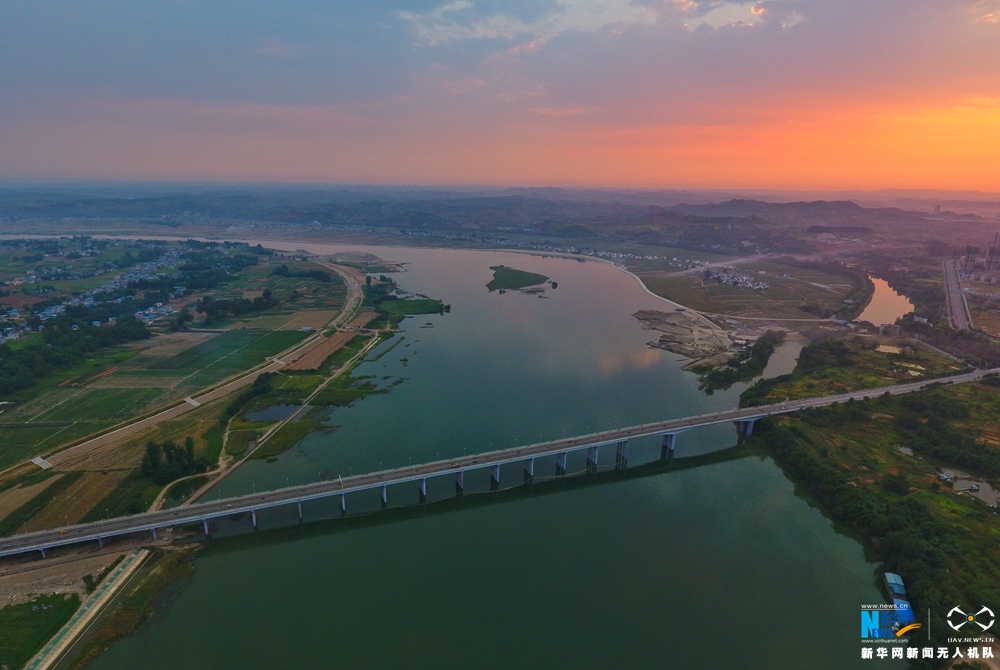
25	628
136	607
286	438
839	366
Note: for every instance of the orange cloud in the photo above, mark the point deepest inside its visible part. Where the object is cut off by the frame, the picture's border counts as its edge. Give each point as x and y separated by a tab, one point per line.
821	145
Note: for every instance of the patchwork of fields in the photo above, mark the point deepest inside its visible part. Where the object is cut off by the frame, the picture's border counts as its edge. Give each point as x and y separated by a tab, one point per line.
62	414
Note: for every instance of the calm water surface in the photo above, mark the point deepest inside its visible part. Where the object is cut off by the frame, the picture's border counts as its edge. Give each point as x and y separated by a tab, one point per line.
886	305
719	566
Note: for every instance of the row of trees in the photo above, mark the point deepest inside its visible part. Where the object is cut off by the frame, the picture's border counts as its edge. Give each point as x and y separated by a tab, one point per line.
376	294
216	309
743	366
165	461
283	271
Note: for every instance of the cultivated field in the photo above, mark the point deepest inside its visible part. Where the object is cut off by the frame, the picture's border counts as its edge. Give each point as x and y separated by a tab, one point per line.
314	358
80	497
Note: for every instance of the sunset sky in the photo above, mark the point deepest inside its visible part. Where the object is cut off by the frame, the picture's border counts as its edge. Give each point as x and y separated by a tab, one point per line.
828	94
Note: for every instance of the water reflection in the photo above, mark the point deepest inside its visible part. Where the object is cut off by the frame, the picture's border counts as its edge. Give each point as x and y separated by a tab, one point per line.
886	305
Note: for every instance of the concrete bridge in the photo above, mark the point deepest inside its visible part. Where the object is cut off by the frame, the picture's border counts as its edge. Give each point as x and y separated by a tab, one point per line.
596	446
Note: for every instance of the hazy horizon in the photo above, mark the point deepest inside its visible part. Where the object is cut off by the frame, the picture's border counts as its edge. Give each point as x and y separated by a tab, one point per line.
803	95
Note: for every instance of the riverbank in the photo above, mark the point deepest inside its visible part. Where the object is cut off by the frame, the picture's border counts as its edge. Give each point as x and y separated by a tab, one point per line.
136	607
866	463
53	652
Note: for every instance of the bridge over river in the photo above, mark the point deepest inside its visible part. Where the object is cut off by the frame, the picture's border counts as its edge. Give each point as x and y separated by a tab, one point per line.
203	512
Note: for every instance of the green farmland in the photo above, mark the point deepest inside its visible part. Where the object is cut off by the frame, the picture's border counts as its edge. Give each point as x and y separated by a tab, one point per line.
226	354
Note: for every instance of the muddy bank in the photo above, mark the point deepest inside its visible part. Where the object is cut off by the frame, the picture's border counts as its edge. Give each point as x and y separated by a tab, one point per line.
689	334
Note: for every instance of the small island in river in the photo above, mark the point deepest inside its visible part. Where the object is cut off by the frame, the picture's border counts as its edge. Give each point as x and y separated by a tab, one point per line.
505	278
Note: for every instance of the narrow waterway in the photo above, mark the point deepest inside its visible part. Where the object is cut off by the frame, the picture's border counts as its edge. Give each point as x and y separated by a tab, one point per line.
722	565
886	305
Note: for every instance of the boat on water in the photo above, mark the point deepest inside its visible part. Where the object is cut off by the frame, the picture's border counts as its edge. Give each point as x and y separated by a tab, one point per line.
903	615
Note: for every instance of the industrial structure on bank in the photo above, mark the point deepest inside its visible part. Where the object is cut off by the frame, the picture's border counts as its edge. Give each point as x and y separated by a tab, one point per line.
986	270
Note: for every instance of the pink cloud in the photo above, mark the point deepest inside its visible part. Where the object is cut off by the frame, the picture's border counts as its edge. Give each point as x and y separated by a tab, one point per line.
549	111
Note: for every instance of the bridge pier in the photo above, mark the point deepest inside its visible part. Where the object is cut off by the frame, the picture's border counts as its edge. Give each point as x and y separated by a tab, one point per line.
561	463
385	499
529	469
253	515
667	448
299	505
204	523
495	478
423	489
621	455
745	426
100	542
460	482
592	459
343	504
43	552
155	538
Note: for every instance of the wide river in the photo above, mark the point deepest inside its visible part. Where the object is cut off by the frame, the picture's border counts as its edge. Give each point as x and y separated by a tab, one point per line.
723	565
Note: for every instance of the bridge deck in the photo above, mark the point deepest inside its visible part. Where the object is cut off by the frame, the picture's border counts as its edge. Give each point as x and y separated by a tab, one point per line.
199	512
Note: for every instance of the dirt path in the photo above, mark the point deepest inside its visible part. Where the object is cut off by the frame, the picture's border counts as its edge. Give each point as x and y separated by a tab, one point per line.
226	471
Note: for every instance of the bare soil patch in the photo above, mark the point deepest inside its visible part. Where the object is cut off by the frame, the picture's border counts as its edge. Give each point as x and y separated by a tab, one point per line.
362	319
112	455
73	504
314	358
165	346
52	577
309	318
686	333
16	496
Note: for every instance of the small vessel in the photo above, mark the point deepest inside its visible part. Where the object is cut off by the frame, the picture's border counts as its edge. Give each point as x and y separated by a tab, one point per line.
903	616
974	487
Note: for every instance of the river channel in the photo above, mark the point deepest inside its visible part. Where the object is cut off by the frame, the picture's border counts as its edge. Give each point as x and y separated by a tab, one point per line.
886	304
723	565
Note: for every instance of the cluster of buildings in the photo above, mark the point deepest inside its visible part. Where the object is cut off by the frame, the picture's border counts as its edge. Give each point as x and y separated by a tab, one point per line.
14	325
11	327
739	279
985	269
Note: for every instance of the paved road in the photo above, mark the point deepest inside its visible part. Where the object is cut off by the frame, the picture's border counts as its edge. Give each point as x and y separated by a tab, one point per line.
201	512
958	308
